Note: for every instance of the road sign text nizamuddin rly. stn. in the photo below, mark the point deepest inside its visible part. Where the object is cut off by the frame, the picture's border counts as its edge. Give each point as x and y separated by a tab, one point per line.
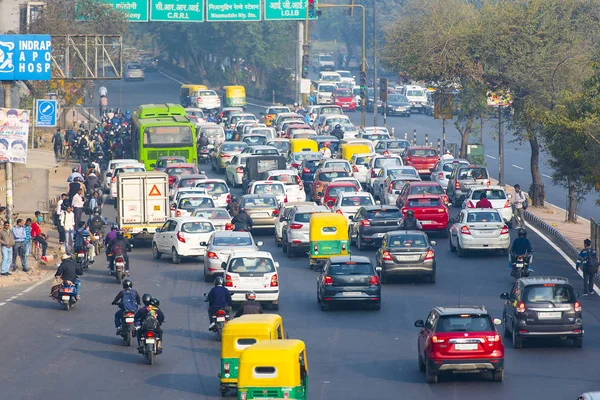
227	10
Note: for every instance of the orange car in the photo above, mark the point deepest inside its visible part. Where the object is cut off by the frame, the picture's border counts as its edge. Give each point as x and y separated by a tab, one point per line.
324	176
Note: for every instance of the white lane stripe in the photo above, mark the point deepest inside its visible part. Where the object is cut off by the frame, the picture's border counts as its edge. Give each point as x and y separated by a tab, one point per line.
559	251
1	304
516	166
30	288
492	157
547	176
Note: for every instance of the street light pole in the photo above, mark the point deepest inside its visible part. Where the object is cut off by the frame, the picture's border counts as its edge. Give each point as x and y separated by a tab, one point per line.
500	148
375	63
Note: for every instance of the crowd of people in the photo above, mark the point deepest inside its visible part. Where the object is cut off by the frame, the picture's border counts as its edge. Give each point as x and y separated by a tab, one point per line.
16	241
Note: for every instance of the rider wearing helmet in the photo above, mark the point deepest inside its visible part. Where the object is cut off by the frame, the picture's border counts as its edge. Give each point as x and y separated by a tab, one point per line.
203	141
74	174
520	246
410	223
218	298
127	299
119	246
242	221
152	311
250	306
338	132
447	155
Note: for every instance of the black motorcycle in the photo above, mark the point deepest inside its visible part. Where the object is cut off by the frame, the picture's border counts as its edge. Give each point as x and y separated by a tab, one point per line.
520	266
127	327
149	345
203	155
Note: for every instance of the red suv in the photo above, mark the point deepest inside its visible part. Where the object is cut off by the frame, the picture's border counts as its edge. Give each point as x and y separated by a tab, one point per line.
430	210
344	98
333	189
460	339
421	187
422	158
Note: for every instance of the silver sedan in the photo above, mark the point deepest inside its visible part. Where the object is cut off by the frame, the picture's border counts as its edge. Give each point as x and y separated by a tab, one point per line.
220	245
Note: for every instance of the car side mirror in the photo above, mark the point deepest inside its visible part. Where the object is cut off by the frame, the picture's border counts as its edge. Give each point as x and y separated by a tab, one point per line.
330	203
276	264
419	323
447	176
509	196
378	269
109	174
497	321
203	244
433	243
504	296
259	243
223	265
396	192
351	218
377	202
282	219
157	230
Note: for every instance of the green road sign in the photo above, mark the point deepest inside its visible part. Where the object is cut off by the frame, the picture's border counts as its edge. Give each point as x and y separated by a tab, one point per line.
233	10
286	10
136	10
177	10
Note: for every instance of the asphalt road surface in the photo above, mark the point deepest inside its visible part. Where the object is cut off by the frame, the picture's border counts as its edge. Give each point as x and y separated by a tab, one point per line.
49	353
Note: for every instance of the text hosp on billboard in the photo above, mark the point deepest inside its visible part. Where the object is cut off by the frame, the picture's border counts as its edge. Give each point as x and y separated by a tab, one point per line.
34	65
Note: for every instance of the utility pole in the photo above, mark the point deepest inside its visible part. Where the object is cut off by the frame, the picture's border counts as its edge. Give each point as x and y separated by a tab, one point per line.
299	62
500	147
7	85
375	63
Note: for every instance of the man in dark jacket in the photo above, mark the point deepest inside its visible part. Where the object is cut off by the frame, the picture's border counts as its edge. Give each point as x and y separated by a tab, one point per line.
92	182
218	298
151	308
68	271
589	271
119	246
250	306
242	221
338	132
127	299
410	223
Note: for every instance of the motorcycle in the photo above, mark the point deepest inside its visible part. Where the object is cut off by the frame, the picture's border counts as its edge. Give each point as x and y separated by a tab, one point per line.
127	328
119	268
67	296
149	346
221	317
520	266
203	155
82	255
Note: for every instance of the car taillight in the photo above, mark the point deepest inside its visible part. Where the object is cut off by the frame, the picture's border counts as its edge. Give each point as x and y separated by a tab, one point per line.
180	237
489	182
328	281
465	230
285	199
306	171
408	160
212	255
228	200
436	339
430	254
390	187
229	226
441	210
441	175
457	185
373	173
504	230
275	213
495	338
239	170
374	280
339	212
470	205
243	395
178	213
343	246
577	306
295	165
228	280
507	204
365	222
274	281
114	179
225	155
316	248
354	168
446	199
295	226
386	256
521	308
226	368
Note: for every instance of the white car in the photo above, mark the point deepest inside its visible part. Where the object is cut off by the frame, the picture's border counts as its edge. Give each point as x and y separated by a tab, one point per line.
479	229
218	189
348	203
496	195
417	97
375	129
253	271
379	162
269	187
110	170
187	190
294	187
182	237
121	169
262	130
234	172
283	213
335	163
350	179
347	77
360	166
190	202
195	115
205	99
219	217
220	245
281	144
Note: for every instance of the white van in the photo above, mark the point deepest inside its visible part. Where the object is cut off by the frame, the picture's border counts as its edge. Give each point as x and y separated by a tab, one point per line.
325	92
323	62
417	97
331	77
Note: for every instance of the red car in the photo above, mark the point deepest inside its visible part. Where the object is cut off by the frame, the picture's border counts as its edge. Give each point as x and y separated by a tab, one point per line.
422	158
430	210
422	187
174	170
460	339
344	98
333	189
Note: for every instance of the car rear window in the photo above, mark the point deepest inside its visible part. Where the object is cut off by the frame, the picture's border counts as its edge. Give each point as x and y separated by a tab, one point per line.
336	190
364	161
328	176
213	188
384	213
549	293
492	194
197	227
207	93
449	167
387	162
398	184
337	165
286	179
190	203
351	268
484	217
424	202
355	201
213	132
266	132
400	144
232	241
423	153
307	156
255	140
473	173
212	214
407	240
464	323
250	266
311	164
426	189
302	217
188	182
269	189
260	202
281	146
233	147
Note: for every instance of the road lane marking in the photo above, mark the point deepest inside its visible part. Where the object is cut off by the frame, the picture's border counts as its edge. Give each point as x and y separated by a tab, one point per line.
492	157
547	176
516	166
559	251
1	304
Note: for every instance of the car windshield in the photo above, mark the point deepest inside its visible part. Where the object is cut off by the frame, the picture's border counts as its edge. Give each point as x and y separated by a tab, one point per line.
384	213
343	93
302	217
548	293
330	110
188	182
355	201
180	171
413	240
197	227
311	164
259	131
212	132
327	88
213	188
232	241
248	266
337	120
423	153
407	171
328	176
375	136
387	162
397	144
337	165
260	202
449	167
426	189
212	214
233	147
364	161
492	194
255	140
424	202
473	173
276	110
334	191
266	151
286	179
207	93
268	189
331	78
345	74
415	93
134	169
166	161
464	323
397	98
281	146
351	268
326	58
484	217
134	66
189	203
398	184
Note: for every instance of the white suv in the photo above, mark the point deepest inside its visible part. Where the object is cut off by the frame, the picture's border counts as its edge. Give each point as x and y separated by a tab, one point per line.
269	187
206	100
294	187
218	189
252	271
417	97
181	237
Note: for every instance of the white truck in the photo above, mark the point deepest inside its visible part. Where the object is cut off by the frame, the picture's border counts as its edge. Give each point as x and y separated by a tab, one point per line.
142	203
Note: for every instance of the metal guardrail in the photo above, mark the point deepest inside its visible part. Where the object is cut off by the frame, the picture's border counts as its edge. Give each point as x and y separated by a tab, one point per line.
562	241
595	234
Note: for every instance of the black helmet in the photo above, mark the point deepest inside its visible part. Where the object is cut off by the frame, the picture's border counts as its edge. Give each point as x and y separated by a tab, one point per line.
75	169
127	284
233	199
155	302
338	126
119	234
243	209
219	281
410	213
147	299
114	227
522	233
250	295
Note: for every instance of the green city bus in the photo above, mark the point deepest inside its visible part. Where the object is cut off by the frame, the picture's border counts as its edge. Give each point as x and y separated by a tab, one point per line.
160	130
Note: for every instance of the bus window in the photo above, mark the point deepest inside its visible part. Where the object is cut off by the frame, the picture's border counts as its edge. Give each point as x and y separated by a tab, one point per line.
160	136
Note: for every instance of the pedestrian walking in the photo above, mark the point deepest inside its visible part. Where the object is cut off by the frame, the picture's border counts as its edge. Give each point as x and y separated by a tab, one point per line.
103	105
520	204
61	207
587	260
7	242
78	204
57	139
68	223
19	247
37	236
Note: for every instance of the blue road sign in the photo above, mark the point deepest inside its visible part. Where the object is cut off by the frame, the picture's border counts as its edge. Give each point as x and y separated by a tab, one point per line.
25	58
45	113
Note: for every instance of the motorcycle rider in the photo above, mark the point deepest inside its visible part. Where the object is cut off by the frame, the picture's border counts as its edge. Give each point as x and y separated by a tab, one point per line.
242	221
203	141
143	313
338	132
233	207
110	236
96	221
218	298
119	246
69	271
74	174
410	223
250	306
519	247
127	299
79	242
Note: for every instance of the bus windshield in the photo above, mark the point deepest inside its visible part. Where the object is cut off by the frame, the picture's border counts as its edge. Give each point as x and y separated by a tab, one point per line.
168	136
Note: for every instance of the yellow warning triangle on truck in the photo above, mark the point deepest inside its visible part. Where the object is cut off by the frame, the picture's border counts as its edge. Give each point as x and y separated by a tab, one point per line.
154	191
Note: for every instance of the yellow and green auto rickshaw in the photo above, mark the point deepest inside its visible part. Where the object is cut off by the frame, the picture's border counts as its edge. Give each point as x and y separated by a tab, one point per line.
186	90
303	144
347	150
274	369
328	235
240	334
235	96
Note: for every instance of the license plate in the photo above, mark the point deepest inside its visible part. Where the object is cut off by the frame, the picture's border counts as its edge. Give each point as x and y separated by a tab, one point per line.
549	315
220	319
259	279
379	235
129	320
120	265
66	298
487	233
466	346
80	255
426	222
351	294
408	258
260	215
149	341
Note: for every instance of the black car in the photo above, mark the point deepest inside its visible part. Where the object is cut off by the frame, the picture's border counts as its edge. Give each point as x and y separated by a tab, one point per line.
348	279
541	307
397	104
406	253
370	223
307	172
